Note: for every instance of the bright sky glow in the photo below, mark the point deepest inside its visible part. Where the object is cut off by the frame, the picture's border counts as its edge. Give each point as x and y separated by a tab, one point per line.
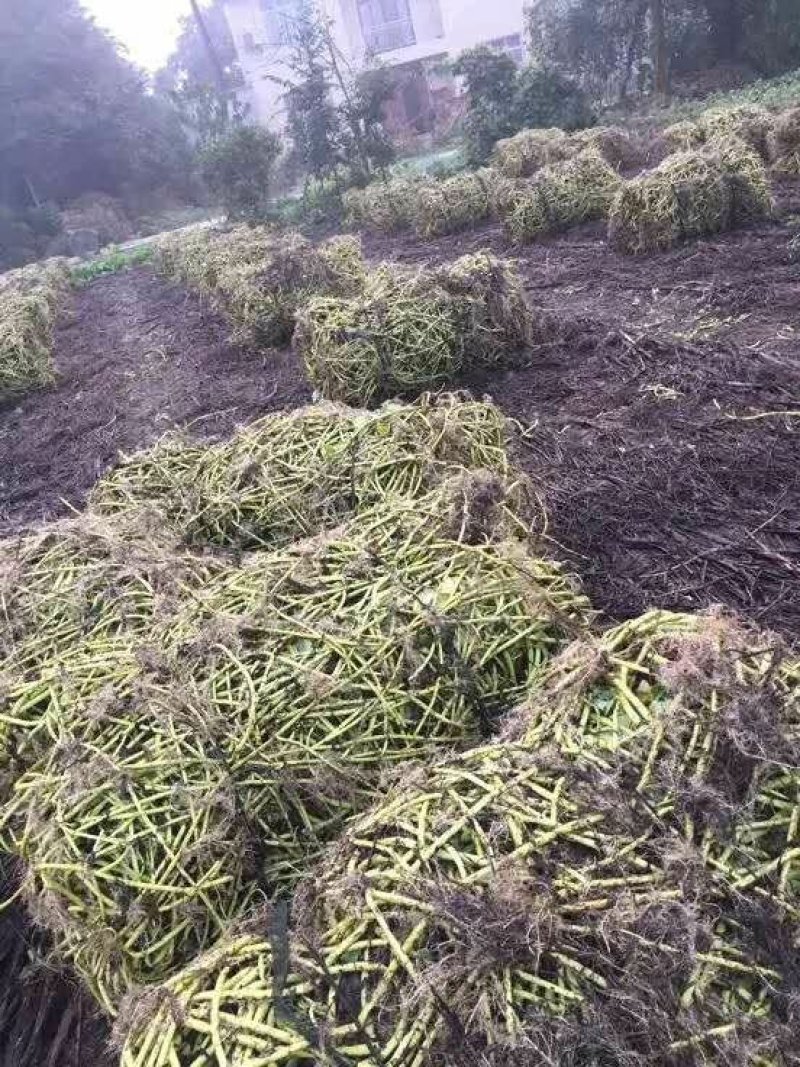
146	28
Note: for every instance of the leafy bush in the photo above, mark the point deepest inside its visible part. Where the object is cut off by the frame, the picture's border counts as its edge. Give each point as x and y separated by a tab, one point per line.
25	235
334	116
504	100
547	98
239	169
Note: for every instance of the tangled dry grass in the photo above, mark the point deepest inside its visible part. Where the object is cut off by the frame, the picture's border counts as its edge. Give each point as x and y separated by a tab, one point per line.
529	151
718	187
562	195
259	277
784	143
414	330
30	299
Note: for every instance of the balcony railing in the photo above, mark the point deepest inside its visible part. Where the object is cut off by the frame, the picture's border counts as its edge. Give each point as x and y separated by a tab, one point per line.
390	35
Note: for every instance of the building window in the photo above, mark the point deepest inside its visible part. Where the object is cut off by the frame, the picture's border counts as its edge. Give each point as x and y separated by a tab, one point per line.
512	45
386	24
281	18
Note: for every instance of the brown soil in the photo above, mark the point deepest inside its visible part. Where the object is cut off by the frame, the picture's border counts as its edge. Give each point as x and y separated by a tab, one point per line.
46	1020
135	357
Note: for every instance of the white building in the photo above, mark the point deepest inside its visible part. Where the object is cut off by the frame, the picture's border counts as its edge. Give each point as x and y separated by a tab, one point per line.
413	37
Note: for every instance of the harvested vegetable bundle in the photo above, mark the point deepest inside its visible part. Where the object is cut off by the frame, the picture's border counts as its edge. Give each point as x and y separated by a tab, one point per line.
683	136
87	579
747	122
398	339
376	641
677	704
385	641
563	195
690	194
452	205
260	278
262	297
134	846
529	151
502	191
614	144
38	711
750	192
484	906
265	722
526	152
291	475
386	206
414	331
196	257
253	1014
28	307
493	313
784	143
759	855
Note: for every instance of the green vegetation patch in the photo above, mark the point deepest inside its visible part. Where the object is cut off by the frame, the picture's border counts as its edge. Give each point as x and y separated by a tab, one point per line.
119	259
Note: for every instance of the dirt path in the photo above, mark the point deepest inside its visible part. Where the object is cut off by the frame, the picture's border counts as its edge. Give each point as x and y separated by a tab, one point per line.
135	357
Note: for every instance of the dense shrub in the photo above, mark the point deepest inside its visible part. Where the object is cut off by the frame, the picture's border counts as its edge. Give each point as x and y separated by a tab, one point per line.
504	99
547	98
239	169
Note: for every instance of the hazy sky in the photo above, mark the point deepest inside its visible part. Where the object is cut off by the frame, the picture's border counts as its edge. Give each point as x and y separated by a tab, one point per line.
147	28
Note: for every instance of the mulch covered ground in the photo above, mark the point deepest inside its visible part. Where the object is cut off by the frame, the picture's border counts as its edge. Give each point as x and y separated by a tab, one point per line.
661	426
135	357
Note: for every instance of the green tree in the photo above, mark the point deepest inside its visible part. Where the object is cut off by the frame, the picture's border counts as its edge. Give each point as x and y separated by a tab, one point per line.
74	115
239	169
603	43
204	86
503	99
334	114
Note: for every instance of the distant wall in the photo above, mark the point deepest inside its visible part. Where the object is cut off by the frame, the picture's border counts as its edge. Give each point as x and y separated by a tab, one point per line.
442	29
